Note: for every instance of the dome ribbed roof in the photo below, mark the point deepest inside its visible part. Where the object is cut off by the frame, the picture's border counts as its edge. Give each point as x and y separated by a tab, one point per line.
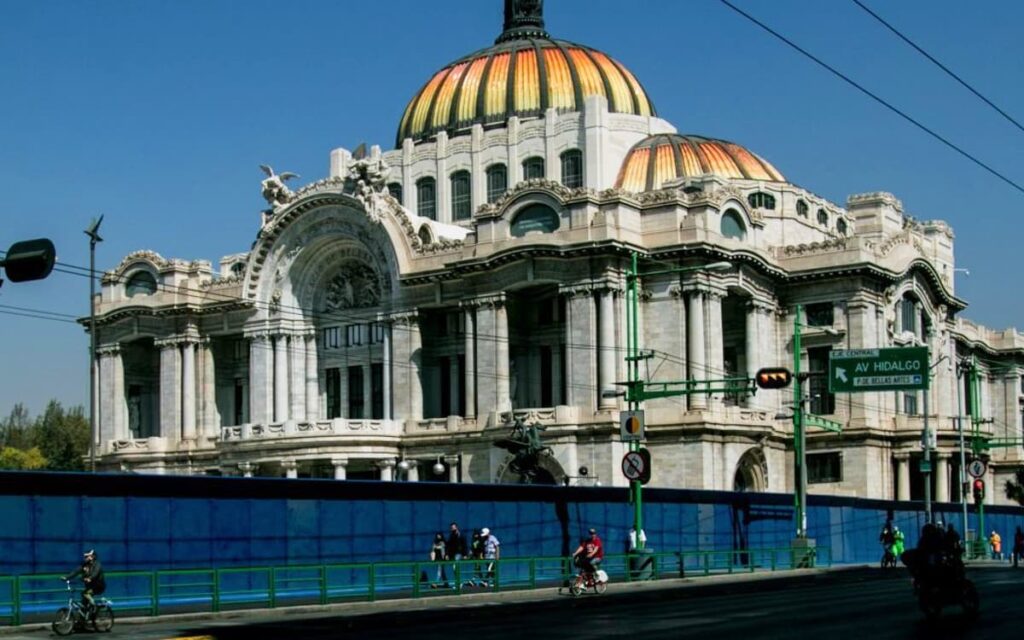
523	74
663	157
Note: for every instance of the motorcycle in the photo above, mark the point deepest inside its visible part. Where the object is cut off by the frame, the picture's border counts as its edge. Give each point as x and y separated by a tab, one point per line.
933	595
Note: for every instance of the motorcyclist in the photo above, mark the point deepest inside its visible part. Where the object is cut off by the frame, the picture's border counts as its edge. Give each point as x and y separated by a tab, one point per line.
91	572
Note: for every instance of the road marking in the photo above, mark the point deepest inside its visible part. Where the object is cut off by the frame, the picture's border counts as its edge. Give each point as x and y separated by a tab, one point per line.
192	638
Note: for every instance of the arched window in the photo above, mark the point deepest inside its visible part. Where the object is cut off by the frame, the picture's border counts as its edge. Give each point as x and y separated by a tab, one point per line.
497	182
822	217
572	168
424	234
395	189
142	283
841	226
802	209
462	198
533	168
426	198
238	269
535	217
732	225
761	200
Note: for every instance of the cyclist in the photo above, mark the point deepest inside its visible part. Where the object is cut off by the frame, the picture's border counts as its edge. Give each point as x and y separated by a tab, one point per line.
92	575
589	554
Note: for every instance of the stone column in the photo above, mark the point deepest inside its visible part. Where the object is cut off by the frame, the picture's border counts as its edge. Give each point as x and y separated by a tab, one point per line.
388	371
502	366
413	474
387	469
261	379
695	345
312	382
297	375
291	469
246	469
407	368
120	397
902	477
188	390
170	389
606	346
752	350
105	421
453	468
339	465
470	372
368	389
492	366
211	417
581	358
941	477
280	378
715	350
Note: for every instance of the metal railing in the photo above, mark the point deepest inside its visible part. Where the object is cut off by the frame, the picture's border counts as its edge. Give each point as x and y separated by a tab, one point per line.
34	598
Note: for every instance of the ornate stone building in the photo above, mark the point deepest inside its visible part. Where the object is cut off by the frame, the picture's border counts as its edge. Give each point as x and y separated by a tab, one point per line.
392	318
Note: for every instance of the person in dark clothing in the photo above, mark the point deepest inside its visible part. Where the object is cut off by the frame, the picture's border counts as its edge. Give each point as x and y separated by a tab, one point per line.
952	541
91	572
1018	546
455	548
477	549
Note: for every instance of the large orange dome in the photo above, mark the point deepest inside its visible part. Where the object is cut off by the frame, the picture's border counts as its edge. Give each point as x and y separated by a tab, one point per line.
523	74
659	158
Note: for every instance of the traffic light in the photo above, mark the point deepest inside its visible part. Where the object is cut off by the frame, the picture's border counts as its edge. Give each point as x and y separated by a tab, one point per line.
979	490
773	377
29	260
645	477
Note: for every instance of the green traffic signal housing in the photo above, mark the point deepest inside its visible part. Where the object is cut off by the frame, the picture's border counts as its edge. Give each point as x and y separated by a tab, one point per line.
773	378
979	490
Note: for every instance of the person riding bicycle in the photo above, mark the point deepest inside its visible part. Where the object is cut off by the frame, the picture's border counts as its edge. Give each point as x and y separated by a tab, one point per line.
92	576
887	538
589	554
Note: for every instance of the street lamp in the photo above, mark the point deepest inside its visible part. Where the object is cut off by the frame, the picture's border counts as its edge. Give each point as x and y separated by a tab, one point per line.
94	239
635	394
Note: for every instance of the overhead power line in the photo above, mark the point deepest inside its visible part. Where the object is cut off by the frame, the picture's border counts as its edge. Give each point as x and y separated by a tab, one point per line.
874	97
938	64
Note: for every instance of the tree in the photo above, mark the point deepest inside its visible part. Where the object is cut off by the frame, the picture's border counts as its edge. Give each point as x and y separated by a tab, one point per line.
62	437
16	430
1015	487
12	459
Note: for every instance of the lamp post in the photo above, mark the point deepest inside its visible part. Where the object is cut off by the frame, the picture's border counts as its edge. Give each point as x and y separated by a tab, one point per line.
635	394
94	239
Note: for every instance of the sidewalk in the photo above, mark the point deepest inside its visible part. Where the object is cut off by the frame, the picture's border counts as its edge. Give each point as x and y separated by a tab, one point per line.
416	610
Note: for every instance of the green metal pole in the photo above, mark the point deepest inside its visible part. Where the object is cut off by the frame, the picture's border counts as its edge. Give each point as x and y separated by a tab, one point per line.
976	448
799	476
632	319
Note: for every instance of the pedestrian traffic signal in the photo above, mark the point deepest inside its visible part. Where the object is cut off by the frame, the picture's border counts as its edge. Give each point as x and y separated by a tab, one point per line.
979	490
773	378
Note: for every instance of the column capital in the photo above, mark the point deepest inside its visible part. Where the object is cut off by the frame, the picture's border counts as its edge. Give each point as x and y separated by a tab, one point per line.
386	463
111	349
761	306
289	464
246	468
901	456
492	301
339	462
406	317
261	335
169	341
577	290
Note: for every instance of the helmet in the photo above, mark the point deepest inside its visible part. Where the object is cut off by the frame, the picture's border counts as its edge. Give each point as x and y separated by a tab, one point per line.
592	532
90	554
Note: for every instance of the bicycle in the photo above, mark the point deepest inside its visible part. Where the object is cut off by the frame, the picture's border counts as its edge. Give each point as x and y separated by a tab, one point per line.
597	580
75	618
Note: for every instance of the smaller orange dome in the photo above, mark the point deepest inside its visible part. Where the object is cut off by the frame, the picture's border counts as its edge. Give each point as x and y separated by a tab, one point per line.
659	158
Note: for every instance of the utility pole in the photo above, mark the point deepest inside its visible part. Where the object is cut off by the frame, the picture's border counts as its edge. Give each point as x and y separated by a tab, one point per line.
633	357
799	434
94	238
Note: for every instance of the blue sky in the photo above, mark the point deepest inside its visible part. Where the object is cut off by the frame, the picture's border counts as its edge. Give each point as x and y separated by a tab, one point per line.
158	113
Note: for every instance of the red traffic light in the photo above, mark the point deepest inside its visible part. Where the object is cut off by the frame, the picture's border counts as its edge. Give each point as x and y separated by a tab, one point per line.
773	377
979	490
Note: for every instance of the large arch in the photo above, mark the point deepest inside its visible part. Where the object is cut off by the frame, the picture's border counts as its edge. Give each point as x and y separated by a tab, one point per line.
751	472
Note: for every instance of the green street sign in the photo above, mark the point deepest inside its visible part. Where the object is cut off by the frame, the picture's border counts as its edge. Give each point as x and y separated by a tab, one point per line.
863	370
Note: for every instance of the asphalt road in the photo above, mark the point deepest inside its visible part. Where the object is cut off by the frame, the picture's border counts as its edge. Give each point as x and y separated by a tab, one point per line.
860	603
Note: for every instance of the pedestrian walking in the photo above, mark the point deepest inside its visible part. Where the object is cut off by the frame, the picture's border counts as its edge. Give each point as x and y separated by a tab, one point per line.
492	553
437	555
476	550
995	541
1018	546
455	549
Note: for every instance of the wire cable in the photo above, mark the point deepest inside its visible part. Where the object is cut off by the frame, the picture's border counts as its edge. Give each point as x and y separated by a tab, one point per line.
874	97
937	63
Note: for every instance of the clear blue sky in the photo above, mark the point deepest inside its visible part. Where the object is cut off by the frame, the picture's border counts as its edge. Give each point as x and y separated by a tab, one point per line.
158	113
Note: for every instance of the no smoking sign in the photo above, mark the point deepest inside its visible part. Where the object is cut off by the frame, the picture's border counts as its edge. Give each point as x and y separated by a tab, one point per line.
636	466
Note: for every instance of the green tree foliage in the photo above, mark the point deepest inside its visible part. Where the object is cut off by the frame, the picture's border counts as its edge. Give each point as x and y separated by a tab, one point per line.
12	459
58	440
1015	487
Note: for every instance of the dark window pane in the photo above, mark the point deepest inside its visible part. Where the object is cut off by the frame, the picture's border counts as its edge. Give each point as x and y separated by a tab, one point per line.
820	314
355	393
332	379
572	168
377	390
535	217
822	402
462	199
825	467
395	190
732	225
533	168
801	208
142	283
822	217
426	198
497	181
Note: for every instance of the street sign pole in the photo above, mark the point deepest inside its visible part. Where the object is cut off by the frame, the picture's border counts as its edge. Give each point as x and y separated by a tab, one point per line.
799	437
634	377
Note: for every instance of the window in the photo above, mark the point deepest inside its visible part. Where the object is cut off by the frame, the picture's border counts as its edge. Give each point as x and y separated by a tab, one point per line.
497	182
426	198
331	337
238	269
332	379
820	314
376	333
572	168
141	283
462	199
533	168
801	208
355	335
825	467
395	189
822	402
355	393
240	349
908	316
239	401
535	217
823	217
910	403
732	225
761	200
377	391
841	226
